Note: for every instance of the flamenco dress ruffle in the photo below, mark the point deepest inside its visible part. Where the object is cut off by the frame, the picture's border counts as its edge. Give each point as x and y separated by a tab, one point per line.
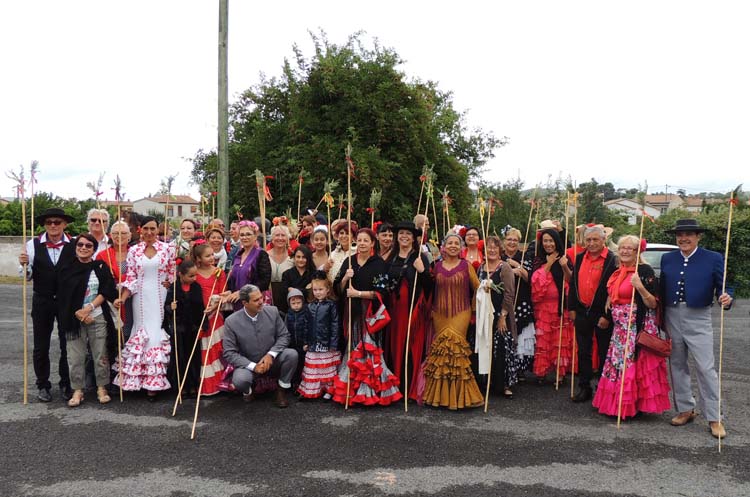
142	367
449	380
646	387
370	382
546	300
319	373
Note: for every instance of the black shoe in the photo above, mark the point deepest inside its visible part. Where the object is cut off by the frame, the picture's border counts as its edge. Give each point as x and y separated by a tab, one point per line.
584	394
44	395
152	396
66	392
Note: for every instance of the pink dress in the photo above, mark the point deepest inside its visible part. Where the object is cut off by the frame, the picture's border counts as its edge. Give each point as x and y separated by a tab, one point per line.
546	300
646	387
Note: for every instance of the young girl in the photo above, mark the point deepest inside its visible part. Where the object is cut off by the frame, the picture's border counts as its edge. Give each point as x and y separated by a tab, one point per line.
322	355
189	312
213	284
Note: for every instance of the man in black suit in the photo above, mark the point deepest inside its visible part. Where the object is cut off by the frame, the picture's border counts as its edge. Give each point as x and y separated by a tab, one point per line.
42	259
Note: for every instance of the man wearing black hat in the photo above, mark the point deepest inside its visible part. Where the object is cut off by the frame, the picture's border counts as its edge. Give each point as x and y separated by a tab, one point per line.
43	258
690	278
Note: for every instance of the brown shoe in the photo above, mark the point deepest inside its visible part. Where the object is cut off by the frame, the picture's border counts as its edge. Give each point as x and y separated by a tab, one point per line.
280	399
684	418
717	429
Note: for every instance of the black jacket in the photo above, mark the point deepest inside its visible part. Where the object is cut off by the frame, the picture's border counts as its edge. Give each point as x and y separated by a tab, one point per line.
72	282
323	330
596	309
298	322
189	311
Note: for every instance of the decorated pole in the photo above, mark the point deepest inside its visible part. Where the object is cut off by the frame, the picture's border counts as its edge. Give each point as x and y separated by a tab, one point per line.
526	241
96	189
492	328
349	174
301	179
32	180
374	202
205	365
562	299
118	200
21	192
411	302
166	187
195	344
422	178
575	267
329	187
264	194
630	312
732	202
341	205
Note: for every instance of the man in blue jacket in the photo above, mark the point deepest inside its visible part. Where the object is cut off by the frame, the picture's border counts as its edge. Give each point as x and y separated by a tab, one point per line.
690	278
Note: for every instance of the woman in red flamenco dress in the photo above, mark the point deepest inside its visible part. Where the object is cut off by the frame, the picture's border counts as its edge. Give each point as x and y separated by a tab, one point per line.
547	283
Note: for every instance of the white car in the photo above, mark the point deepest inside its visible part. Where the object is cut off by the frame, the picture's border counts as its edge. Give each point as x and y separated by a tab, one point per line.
653	254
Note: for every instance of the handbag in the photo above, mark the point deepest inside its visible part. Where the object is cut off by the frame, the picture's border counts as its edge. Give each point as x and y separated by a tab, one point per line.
376	319
654	343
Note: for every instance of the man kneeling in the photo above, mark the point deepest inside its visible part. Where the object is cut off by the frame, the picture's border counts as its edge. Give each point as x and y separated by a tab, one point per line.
255	343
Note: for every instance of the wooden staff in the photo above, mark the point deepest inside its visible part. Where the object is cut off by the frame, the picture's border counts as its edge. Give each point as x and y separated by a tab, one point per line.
630	319
328	231
119	296
33	170
168	184
575	267
732	202
525	243
422	179
299	193
435	218
411	308
197	340
562	300
349	167
205	365
25	301
341	205
492	328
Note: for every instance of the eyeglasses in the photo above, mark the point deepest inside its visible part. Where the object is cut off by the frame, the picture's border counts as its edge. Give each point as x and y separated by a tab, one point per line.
50	222
246	235
627	249
98	221
85	245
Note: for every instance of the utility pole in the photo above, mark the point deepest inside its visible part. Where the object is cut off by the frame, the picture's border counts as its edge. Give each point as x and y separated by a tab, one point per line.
222	182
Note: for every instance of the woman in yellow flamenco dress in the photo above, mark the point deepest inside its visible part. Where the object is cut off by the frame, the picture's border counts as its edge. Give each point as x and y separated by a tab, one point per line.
449	380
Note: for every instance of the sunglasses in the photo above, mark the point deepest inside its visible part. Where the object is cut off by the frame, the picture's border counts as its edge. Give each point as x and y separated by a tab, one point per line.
50	222
85	245
97	221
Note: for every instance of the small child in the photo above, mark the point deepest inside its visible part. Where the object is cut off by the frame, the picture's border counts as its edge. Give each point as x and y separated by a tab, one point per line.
322	356
189	313
297	322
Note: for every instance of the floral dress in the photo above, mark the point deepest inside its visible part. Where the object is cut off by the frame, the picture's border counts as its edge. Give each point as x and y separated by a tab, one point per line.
646	388
145	356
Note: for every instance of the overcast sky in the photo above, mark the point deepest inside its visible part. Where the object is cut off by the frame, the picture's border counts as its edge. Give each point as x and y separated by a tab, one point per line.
626	92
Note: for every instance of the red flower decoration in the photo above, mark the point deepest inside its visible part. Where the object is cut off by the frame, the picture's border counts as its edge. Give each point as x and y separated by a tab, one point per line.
643	244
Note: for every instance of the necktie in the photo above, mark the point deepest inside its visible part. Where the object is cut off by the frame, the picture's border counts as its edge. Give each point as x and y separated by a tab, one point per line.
55	245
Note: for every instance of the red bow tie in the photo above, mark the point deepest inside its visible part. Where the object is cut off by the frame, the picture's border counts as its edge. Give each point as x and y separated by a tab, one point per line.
55	245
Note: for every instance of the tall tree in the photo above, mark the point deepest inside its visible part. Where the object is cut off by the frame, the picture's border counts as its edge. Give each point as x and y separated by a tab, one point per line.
349	94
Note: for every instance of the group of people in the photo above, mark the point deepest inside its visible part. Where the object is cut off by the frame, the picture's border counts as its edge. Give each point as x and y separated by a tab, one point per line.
368	316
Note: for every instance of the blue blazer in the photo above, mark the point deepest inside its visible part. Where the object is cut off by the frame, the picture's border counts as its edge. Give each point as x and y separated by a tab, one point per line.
703	273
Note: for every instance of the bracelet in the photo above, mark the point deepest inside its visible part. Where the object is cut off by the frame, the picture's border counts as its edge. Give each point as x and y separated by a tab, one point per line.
93	307
359	293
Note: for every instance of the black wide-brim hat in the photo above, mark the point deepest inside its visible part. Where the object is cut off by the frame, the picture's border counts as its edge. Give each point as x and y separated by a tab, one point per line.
408	226
53	212
686	225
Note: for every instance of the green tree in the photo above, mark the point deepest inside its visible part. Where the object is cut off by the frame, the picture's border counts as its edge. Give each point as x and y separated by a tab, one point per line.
348	94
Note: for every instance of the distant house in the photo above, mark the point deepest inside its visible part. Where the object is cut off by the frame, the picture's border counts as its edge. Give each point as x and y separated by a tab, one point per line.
631	208
693	204
665	201
180	206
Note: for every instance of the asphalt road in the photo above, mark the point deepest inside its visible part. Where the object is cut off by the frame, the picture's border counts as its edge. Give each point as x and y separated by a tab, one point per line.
538	443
